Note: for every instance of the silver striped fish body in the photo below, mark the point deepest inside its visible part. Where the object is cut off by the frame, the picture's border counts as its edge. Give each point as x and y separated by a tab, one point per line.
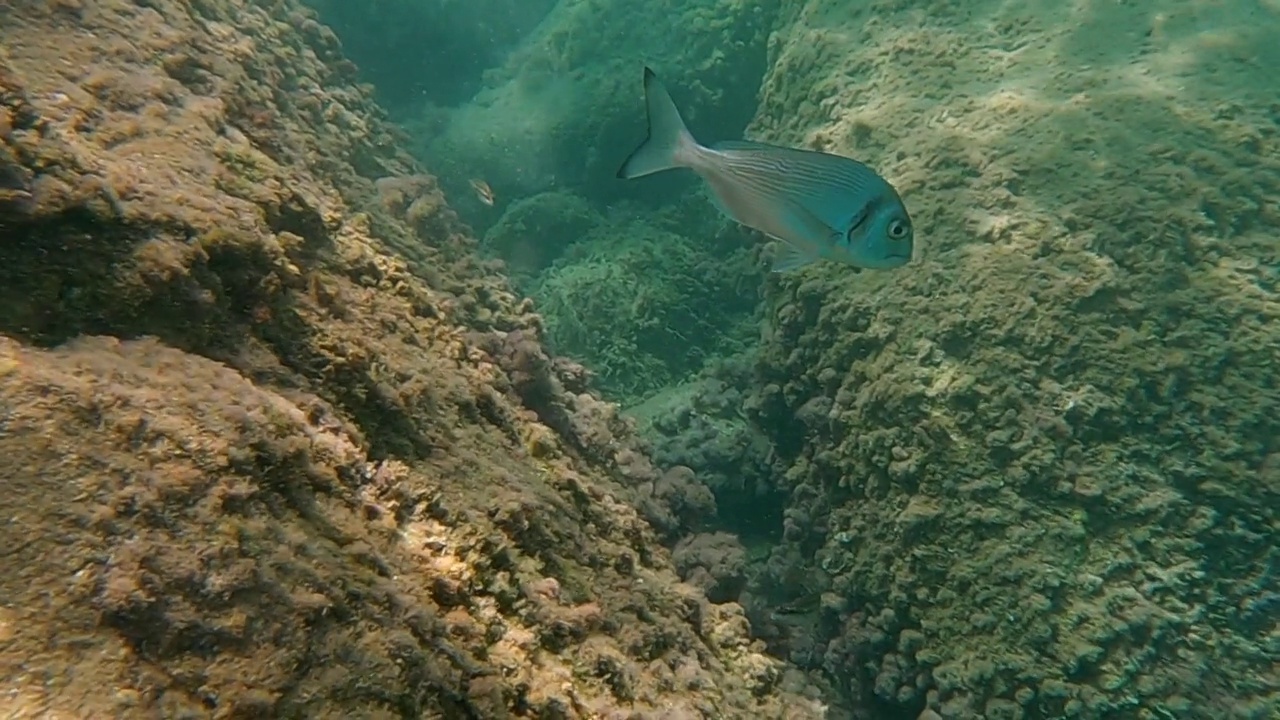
822	206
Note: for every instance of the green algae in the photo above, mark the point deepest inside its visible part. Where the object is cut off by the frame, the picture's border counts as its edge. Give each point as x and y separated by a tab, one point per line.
642	307
534	231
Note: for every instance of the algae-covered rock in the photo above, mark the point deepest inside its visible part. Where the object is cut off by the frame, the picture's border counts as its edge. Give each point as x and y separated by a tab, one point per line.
276	442
641	306
534	231
700	424
1040	461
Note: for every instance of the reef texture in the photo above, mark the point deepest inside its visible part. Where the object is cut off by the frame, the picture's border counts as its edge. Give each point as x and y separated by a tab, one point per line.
1036	474
645	312
1033	475
701	425
275	444
644	298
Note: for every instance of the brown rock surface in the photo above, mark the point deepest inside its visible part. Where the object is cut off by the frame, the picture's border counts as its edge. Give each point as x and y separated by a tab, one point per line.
274	444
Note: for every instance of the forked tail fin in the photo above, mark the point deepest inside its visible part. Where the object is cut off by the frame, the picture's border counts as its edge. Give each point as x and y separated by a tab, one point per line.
669	142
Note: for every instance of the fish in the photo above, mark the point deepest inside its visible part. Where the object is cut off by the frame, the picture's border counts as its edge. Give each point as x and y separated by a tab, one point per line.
483	192
820	205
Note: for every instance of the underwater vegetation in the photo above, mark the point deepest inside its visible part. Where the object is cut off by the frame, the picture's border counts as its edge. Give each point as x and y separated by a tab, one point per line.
1036	477
1033	474
624	291
298	425
277	442
535	231
642	313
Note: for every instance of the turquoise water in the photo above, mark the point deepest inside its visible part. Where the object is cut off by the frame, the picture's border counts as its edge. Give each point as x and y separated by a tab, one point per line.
1034	473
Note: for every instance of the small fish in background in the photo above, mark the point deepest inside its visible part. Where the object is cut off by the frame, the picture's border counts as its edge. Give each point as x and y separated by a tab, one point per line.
821	206
483	192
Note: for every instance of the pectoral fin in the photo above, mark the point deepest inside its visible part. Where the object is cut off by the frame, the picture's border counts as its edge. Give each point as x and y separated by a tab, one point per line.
805	227
790	258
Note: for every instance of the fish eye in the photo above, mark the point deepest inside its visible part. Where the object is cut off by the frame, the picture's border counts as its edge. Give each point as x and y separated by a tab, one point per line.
898	229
